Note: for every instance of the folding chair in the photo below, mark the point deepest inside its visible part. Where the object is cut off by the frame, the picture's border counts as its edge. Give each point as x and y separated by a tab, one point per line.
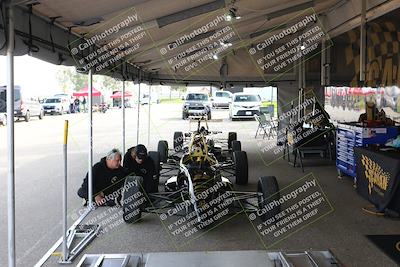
260	126
272	124
265	124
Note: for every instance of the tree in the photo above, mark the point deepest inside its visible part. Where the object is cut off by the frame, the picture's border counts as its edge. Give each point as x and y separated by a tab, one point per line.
68	78
108	83
180	88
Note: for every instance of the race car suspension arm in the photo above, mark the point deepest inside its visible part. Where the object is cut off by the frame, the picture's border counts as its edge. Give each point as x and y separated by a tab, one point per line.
239	195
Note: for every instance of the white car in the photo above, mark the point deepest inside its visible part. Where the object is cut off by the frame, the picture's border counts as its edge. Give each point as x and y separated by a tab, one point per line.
56	105
221	99
145	99
3	118
244	105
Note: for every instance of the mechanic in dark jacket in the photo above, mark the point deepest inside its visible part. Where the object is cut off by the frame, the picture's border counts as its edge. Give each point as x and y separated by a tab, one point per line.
108	179
137	162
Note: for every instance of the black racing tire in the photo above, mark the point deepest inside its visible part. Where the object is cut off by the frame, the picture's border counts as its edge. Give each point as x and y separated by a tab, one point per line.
268	190
178	141
27	116
131	195
155	156
236	146
41	115
241	167
162	149
231	137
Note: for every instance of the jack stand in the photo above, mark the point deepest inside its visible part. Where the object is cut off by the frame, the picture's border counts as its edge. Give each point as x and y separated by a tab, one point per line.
78	239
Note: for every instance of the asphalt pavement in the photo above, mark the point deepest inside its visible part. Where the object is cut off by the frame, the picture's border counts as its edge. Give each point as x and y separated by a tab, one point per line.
39	166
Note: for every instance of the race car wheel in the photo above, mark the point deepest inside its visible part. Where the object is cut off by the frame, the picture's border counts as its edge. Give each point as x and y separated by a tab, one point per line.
131	199
163	150
236	146
154	155
231	137
268	193
241	167
178	141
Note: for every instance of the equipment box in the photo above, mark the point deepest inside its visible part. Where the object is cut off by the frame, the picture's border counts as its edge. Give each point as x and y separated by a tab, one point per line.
353	135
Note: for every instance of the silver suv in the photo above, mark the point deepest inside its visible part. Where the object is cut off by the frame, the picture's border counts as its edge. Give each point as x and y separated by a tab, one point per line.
56	105
196	104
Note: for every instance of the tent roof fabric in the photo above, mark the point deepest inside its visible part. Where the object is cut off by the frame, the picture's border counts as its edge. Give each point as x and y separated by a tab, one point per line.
160	41
85	92
119	95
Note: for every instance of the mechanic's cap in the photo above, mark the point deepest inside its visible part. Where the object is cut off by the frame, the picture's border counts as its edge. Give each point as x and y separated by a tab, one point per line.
141	152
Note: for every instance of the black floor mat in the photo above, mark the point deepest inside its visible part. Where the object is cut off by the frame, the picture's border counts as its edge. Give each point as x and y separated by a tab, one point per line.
389	244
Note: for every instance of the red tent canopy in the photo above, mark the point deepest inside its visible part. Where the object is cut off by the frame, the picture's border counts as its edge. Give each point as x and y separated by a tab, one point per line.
368	91
85	92
356	91
119	94
328	91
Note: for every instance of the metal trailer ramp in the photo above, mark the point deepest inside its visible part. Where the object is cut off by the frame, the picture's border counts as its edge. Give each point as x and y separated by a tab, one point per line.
253	258
78	239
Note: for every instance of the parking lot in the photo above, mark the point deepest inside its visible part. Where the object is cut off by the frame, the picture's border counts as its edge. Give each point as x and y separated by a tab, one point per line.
39	176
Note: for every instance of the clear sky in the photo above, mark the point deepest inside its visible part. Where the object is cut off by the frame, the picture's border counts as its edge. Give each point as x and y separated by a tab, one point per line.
36	77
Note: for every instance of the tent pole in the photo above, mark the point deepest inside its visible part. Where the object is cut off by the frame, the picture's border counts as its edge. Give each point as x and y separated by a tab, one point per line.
138	111
10	138
148	124
123	116
323	63
300	77
303	96
362	40
90	154
65	250
328	66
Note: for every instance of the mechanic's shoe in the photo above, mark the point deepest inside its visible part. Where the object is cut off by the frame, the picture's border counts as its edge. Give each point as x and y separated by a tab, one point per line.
118	200
84	202
110	203
144	205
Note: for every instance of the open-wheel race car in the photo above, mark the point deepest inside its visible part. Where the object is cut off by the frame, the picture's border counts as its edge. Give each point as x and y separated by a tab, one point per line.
226	153
199	171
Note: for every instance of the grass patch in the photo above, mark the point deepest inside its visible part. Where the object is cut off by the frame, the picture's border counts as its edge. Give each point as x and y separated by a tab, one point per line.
171	101
267	103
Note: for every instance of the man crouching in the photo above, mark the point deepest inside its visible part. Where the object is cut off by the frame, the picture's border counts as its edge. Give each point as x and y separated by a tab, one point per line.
108	179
